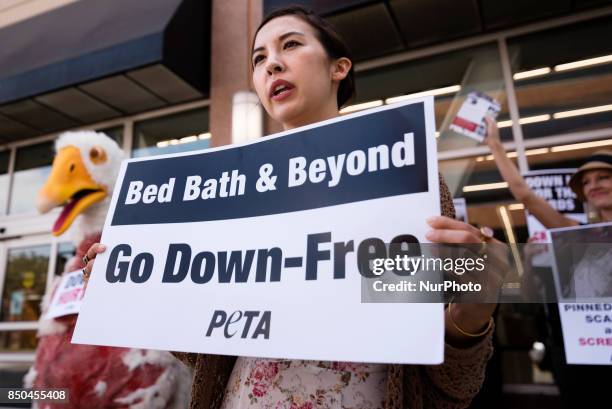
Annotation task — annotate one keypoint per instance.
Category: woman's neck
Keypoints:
(321, 114)
(606, 215)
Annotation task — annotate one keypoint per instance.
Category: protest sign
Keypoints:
(68, 296)
(583, 281)
(470, 120)
(253, 250)
(553, 186)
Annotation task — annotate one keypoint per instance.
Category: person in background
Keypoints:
(592, 183)
(579, 385)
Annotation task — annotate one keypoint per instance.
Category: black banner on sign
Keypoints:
(367, 157)
(553, 186)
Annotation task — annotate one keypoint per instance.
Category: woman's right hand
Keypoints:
(89, 258)
(493, 139)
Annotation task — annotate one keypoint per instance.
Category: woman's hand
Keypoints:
(472, 318)
(492, 139)
(89, 259)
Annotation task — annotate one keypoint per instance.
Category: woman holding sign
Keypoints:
(303, 73)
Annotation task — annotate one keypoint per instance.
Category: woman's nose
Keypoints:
(590, 185)
(274, 65)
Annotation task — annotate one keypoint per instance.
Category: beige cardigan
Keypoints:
(451, 385)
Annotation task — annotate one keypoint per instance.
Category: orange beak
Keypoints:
(69, 185)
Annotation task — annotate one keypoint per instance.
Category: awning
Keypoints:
(94, 60)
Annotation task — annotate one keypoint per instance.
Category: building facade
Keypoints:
(159, 76)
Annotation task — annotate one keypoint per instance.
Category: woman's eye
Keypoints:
(257, 59)
(291, 44)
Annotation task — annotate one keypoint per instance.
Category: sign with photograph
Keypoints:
(68, 296)
(583, 280)
(470, 120)
(254, 250)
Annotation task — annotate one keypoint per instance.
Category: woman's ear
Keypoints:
(341, 68)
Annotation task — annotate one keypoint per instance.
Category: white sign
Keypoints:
(583, 276)
(587, 333)
(253, 250)
(68, 296)
(470, 120)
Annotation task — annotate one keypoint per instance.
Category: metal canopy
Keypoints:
(374, 28)
(95, 60)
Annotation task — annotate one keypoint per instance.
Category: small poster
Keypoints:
(470, 120)
(67, 298)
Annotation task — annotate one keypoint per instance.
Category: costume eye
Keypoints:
(97, 155)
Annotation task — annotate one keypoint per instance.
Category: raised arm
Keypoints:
(537, 206)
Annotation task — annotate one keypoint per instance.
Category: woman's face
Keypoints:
(597, 188)
(294, 78)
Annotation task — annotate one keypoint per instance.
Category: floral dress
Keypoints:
(283, 384)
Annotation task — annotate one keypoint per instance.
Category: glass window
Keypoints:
(115, 133)
(478, 182)
(450, 77)
(11, 376)
(32, 167)
(17, 341)
(4, 178)
(24, 283)
(181, 132)
(563, 78)
(65, 251)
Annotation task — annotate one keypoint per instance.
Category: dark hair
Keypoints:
(331, 41)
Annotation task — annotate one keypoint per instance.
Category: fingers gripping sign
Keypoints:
(88, 260)
(447, 230)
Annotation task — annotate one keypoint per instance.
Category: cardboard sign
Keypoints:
(68, 296)
(253, 250)
(583, 276)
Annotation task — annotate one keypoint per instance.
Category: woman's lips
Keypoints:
(286, 93)
(287, 90)
(596, 194)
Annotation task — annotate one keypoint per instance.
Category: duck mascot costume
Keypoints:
(81, 182)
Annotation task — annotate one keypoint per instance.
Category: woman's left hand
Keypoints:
(470, 317)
